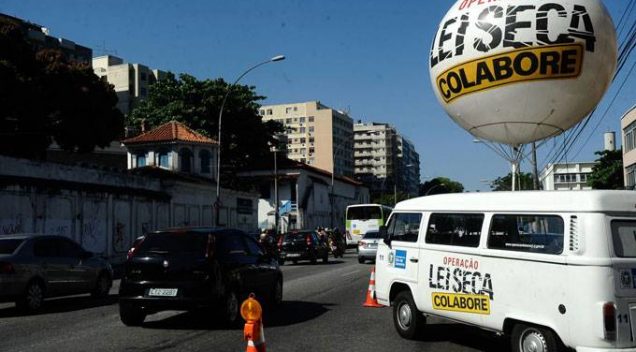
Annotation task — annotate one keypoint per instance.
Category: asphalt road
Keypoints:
(322, 311)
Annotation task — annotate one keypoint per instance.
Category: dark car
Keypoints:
(194, 268)
(33, 267)
(303, 245)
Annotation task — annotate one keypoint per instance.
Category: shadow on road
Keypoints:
(289, 313)
(464, 335)
(62, 305)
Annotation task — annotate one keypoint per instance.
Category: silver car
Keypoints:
(368, 246)
(33, 267)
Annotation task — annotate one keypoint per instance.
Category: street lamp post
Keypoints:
(276, 205)
(217, 204)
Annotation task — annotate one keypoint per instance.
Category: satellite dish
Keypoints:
(518, 71)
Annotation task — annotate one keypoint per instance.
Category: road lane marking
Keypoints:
(350, 273)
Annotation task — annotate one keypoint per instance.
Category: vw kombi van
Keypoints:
(549, 269)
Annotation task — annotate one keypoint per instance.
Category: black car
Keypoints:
(193, 268)
(303, 245)
(33, 267)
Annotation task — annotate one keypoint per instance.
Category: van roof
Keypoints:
(541, 201)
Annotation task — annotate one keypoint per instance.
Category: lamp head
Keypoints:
(277, 58)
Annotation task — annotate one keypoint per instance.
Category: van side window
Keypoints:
(527, 233)
(624, 236)
(455, 229)
(404, 226)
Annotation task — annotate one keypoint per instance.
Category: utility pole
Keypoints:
(535, 173)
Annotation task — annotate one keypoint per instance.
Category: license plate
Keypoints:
(356, 232)
(293, 255)
(373, 245)
(163, 292)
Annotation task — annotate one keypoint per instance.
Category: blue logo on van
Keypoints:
(400, 259)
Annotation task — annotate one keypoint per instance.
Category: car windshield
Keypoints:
(371, 235)
(8, 246)
(174, 242)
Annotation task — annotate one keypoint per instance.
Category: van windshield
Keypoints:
(624, 236)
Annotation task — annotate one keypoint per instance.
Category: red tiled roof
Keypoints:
(172, 131)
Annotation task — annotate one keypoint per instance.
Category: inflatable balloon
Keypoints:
(517, 71)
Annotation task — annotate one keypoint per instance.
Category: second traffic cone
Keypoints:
(371, 300)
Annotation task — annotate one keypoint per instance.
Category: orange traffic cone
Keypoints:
(371, 300)
(257, 343)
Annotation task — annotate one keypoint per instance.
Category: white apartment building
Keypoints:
(628, 132)
(375, 150)
(385, 159)
(566, 176)
(131, 81)
(316, 135)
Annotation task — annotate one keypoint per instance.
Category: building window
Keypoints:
(311, 128)
(288, 110)
(204, 156)
(141, 159)
(262, 112)
(163, 159)
(269, 111)
(630, 136)
(288, 121)
(302, 130)
(630, 177)
(310, 119)
(185, 159)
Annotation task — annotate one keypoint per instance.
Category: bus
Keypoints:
(361, 218)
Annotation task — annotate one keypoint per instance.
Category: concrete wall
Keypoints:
(105, 211)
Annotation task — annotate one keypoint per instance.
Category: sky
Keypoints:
(366, 57)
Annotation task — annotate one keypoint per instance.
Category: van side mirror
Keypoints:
(385, 237)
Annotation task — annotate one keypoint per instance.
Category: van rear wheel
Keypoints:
(408, 321)
(530, 338)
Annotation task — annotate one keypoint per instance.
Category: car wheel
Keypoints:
(102, 286)
(33, 297)
(277, 293)
(295, 261)
(231, 309)
(131, 315)
(361, 260)
(281, 261)
(408, 321)
(525, 338)
(313, 260)
(325, 258)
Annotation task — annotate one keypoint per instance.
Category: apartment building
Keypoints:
(131, 81)
(316, 135)
(408, 166)
(628, 132)
(39, 37)
(384, 159)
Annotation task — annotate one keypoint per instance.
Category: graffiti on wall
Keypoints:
(12, 225)
(93, 236)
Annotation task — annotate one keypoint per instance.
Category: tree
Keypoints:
(524, 182)
(45, 98)
(245, 137)
(440, 185)
(608, 171)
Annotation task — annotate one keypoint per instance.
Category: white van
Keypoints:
(548, 269)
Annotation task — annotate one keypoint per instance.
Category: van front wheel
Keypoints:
(529, 338)
(408, 321)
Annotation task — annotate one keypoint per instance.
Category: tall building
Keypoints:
(316, 135)
(384, 159)
(628, 132)
(408, 166)
(375, 152)
(40, 39)
(131, 81)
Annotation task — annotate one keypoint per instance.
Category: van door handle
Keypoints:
(413, 260)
